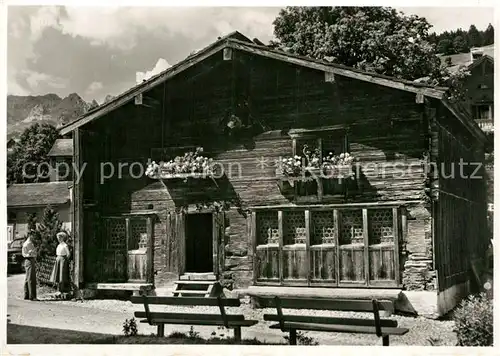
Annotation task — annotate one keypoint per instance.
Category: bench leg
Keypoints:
(161, 330)
(237, 334)
(385, 340)
(293, 337)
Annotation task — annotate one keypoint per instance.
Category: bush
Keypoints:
(474, 321)
(130, 327)
(302, 339)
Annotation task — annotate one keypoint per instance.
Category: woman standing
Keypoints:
(60, 273)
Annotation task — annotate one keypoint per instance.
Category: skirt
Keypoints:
(60, 272)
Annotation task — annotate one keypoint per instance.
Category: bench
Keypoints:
(231, 321)
(291, 323)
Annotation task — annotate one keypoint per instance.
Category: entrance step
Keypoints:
(197, 289)
(198, 277)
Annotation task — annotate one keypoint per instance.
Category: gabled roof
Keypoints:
(62, 147)
(38, 194)
(240, 42)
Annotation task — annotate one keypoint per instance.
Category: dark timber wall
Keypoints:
(384, 127)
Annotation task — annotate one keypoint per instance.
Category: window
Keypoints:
(324, 143)
(483, 111)
(322, 246)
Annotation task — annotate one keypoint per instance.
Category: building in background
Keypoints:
(480, 84)
(24, 199)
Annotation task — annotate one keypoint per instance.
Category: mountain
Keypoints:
(22, 111)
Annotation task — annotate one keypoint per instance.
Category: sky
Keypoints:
(104, 50)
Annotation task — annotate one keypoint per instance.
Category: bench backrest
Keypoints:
(373, 306)
(191, 301)
(186, 301)
(324, 304)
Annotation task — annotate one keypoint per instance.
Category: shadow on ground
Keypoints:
(24, 334)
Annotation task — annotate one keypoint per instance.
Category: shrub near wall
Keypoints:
(474, 321)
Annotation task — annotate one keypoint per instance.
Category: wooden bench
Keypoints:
(291, 323)
(230, 321)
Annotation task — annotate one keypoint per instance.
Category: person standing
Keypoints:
(60, 272)
(29, 253)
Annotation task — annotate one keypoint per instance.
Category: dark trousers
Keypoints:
(30, 280)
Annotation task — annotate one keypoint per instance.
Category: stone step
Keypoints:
(194, 282)
(198, 277)
(187, 291)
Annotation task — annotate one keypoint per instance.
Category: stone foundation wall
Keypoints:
(238, 262)
(417, 261)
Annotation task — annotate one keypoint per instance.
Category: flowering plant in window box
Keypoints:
(190, 165)
(337, 166)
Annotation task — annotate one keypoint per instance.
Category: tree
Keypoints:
(49, 226)
(374, 39)
(377, 39)
(460, 45)
(474, 37)
(445, 46)
(28, 162)
(489, 35)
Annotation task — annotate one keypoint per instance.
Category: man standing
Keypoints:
(29, 254)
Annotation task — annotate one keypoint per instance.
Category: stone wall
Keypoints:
(417, 262)
(238, 262)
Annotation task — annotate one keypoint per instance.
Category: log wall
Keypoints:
(386, 132)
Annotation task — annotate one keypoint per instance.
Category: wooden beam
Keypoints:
(227, 54)
(336, 227)
(329, 77)
(215, 242)
(280, 245)
(150, 231)
(366, 242)
(395, 232)
(77, 223)
(180, 227)
(419, 98)
(339, 206)
(314, 131)
(308, 244)
(141, 88)
(253, 236)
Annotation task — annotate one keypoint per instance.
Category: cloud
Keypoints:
(109, 45)
(119, 26)
(44, 17)
(160, 66)
(13, 87)
(34, 79)
(94, 87)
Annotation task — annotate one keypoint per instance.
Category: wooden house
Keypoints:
(394, 220)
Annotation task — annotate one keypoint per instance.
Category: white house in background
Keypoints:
(23, 199)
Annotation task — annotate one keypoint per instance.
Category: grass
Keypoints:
(145, 339)
(23, 334)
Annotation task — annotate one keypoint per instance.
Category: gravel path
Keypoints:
(107, 316)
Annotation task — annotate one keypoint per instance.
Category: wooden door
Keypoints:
(199, 247)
